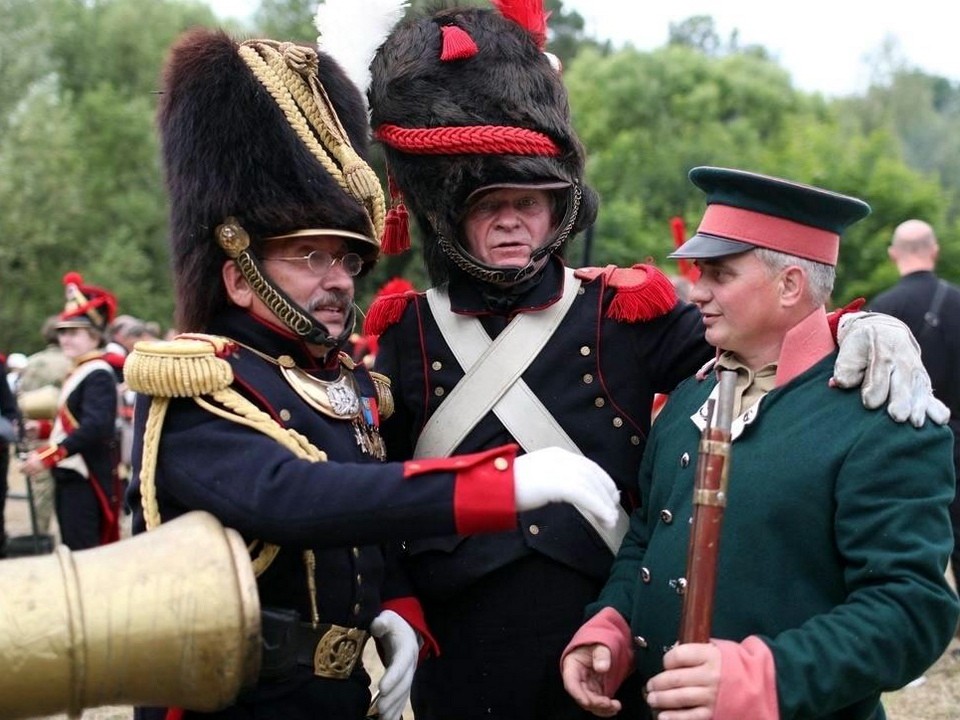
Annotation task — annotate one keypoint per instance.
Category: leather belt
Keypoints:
(331, 650)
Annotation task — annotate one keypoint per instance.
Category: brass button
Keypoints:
(534, 530)
(588, 378)
(581, 290)
(666, 517)
(640, 642)
(359, 579)
(501, 464)
(599, 402)
(356, 552)
(617, 422)
(439, 391)
(285, 415)
(645, 574)
(634, 439)
(584, 351)
(436, 365)
(356, 609)
(684, 460)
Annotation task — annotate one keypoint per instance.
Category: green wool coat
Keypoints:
(834, 544)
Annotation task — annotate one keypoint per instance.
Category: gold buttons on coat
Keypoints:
(599, 402)
(501, 464)
(587, 379)
(356, 552)
(436, 365)
(534, 529)
(439, 391)
(285, 415)
(356, 609)
(584, 351)
(634, 439)
(617, 422)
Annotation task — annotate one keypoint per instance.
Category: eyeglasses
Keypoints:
(320, 262)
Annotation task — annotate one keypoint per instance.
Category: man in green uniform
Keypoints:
(830, 580)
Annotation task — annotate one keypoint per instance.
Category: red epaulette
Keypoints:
(386, 310)
(643, 292)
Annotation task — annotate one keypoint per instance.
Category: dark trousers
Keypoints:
(500, 644)
(78, 512)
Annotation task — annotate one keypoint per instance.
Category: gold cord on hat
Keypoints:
(289, 73)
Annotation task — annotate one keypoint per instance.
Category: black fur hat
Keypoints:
(455, 120)
(230, 151)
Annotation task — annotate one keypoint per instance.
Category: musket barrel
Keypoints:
(709, 501)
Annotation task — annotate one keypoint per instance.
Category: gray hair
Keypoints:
(820, 276)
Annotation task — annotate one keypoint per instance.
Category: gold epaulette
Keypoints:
(187, 366)
(384, 394)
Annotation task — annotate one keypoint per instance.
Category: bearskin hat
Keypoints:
(465, 99)
(86, 306)
(239, 142)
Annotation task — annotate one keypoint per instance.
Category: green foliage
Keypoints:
(80, 185)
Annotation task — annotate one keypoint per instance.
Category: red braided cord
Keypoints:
(472, 139)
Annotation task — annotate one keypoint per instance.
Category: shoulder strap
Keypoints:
(931, 318)
(493, 382)
(491, 367)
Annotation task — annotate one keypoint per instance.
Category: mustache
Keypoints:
(333, 298)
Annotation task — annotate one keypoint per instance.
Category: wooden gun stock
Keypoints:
(709, 501)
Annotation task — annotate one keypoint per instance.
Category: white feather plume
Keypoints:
(352, 30)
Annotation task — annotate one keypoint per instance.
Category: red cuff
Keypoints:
(834, 318)
(609, 628)
(51, 455)
(44, 428)
(748, 680)
(483, 497)
(409, 609)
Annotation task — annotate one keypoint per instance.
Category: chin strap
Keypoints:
(236, 243)
(511, 276)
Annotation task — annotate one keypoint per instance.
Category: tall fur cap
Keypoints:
(508, 82)
(228, 150)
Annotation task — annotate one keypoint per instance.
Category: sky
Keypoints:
(823, 44)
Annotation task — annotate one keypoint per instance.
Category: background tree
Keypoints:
(80, 185)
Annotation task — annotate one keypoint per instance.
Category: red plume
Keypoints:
(690, 271)
(528, 14)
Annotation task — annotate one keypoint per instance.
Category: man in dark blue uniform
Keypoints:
(512, 346)
(256, 415)
(930, 306)
(82, 451)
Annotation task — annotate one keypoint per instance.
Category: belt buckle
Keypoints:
(338, 651)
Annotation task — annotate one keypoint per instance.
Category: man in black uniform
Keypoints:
(930, 306)
(262, 420)
(512, 346)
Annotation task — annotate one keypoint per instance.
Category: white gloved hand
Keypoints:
(556, 475)
(880, 353)
(401, 647)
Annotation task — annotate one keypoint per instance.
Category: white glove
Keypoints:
(880, 353)
(401, 647)
(556, 475)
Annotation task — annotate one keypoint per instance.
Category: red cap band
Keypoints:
(774, 233)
